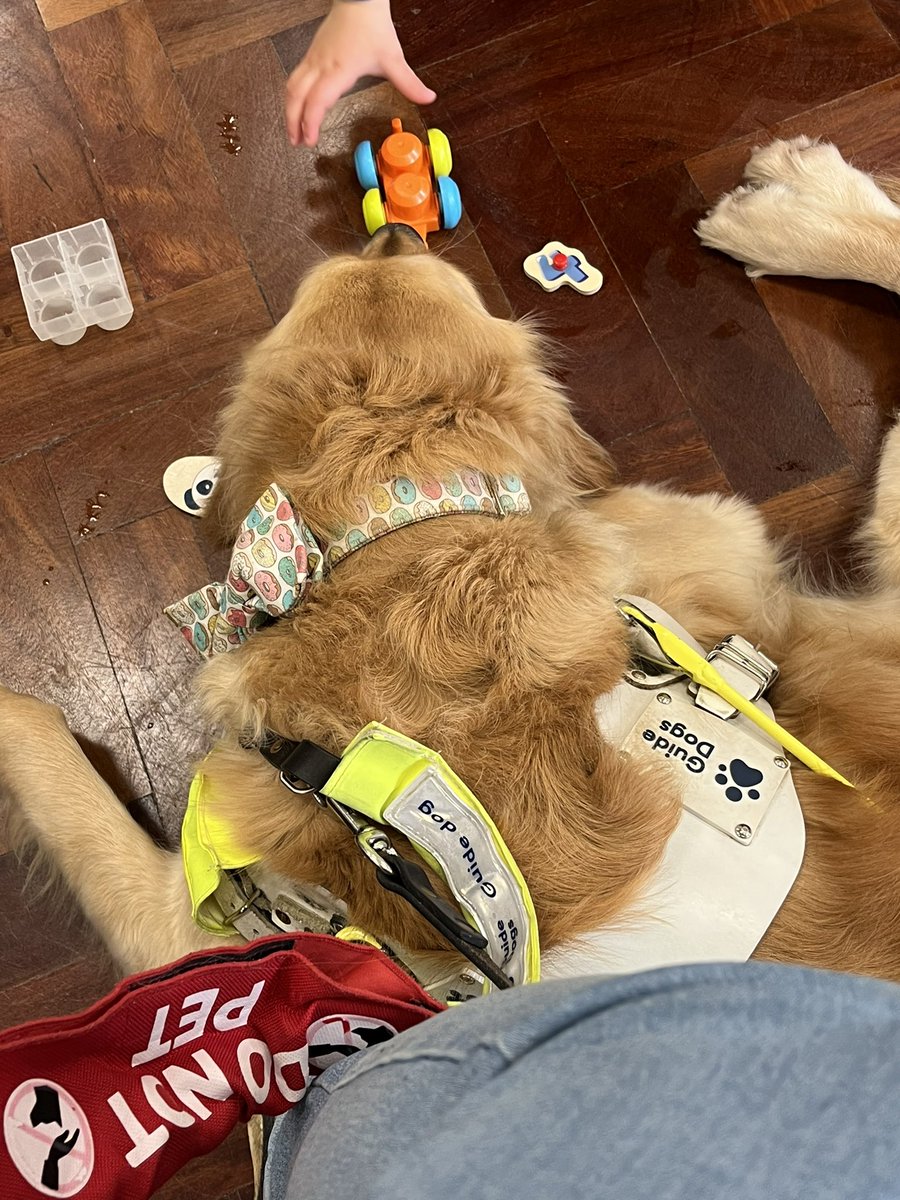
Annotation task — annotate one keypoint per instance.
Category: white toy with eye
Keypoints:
(189, 482)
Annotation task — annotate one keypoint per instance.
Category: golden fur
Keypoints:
(490, 640)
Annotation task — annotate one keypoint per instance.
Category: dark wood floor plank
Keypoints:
(56, 13)
(674, 453)
(154, 665)
(430, 33)
(748, 396)
(817, 522)
(217, 1176)
(14, 328)
(862, 125)
(888, 13)
(50, 642)
(615, 374)
(46, 181)
(155, 176)
(169, 348)
(843, 335)
(273, 191)
(844, 338)
(192, 30)
(125, 458)
(39, 931)
(67, 989)
(772, 12)
(617, 133)
(566, 57)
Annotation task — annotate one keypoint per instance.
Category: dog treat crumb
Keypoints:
(92, 510)
(228, 132)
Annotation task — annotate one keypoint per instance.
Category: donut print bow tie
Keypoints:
(275, 555)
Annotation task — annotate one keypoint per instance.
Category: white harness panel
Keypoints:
(737, 849)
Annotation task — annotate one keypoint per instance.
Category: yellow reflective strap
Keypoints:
(704, 673)
(379, 764)
(208, 848)
(357, 936)
(376, 765)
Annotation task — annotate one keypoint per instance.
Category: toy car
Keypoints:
(408, 183)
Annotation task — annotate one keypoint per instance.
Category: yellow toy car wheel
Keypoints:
(373, 210)
(441, 155)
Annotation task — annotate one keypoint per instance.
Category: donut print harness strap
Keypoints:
(276, 554)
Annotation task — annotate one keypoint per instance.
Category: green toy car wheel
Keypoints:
(441, 155)
(373, 210)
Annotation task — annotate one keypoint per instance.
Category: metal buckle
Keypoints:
(292, 787)
(754, 673)
(237, 879)
(738, 650)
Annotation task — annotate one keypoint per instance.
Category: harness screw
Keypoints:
(663, 698)
(781, 762)
(742, 831)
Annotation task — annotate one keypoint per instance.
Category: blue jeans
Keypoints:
(714, 1082)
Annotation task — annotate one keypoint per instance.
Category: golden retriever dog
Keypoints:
(488, 640)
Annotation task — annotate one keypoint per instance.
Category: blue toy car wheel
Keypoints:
(366, 168)
(450, 202)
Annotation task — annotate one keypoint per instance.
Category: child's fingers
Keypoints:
(298, 88)
(407, 82)
(320, 97)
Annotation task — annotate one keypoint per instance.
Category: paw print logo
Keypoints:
(739, 776)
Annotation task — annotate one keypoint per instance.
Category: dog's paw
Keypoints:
(817, 172)
(773, 231)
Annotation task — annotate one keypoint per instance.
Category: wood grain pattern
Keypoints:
(563, 59)
(126, 457)
(38, 932)
(46, 180)
(169, 348)
(616, 376)
(63, 990)
(154, 665)
(861, 125)
(844, 337)
(56, 13)
(772, 12)
(675, 453)
(272, 191)
(192, 30)
(888, 13)
(50, 642)
(817, 522)
(228, 1167)
(746, 392)
(616, 133)
(466, 25)
(155, 176)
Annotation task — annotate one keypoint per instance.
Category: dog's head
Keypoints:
(387, 361)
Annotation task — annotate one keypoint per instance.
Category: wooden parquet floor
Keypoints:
(609, 125)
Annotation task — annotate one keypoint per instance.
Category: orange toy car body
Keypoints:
(408, 182)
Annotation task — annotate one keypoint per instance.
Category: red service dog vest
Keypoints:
(111, 1102)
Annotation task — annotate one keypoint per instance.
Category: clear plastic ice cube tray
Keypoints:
(72, 279)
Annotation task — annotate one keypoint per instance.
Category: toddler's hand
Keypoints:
(356, 38)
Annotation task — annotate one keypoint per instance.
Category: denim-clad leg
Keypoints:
(713, 1082)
